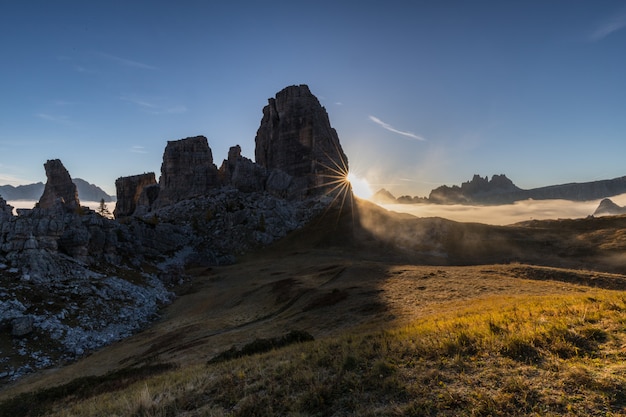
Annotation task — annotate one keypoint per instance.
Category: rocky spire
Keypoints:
(58, 186)
(187, 170)
(295, 137)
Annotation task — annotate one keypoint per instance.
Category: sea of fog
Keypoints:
(507, 213)
(496, 215)
(29, 204)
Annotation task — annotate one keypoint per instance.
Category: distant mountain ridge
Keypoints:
(501, 190)
(86, 191)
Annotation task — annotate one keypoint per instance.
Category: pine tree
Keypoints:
(103, 210)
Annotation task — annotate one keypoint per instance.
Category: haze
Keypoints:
(507, 213)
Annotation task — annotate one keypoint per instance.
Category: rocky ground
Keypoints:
(74, 281)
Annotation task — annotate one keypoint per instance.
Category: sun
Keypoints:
(360, 186)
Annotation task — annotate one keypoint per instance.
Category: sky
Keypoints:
(421, 93)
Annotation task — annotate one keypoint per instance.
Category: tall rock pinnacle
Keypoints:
(295, 137)
(187, 170)
(58, 185)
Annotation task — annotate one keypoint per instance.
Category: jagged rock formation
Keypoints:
(89, 268)
(129, 191)
(58, 186)
(241, 172)
(187, 170)
(478, 190)
(296, 137)
(501, 190)
(298, 154)
(607, 208)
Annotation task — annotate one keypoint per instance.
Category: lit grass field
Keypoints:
(518, 355)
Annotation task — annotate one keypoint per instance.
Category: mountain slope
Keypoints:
(86, 191)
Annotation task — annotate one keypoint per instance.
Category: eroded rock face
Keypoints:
(129, 191)
(241, 172)
(296, 138)
(6, 210)
(58, 186)
(187, 170)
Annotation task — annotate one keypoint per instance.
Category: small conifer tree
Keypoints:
(103, 210)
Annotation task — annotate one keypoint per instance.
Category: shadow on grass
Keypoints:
(39, 403)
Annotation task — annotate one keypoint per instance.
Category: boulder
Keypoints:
(59, 186)
(22, 326)
(295, 136)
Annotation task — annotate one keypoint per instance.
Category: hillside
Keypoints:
(403, 325)
(86, 191)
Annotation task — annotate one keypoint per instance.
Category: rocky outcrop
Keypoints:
(298, 154)
(295, 137)
(129, 191)
(607, 208)
(187, 171)
(479, 191)
(242, 173)
(76, 279)
(58, 186)
(6, 210)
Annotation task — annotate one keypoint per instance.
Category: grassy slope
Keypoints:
(393, 336)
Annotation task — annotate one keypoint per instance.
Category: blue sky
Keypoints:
(421, 93)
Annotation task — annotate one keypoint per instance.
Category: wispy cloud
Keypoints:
(612, 25)
(126, 62)
(138, 149)
(152, 106)
(394, 130)
(55, 118)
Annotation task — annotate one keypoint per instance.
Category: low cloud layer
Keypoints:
(508, 213)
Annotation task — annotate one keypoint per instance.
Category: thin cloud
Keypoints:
(154, 108)
(126, 62)
(605, 29)
(58, 119)
(139, 102)
(394, 130)
(138, 149)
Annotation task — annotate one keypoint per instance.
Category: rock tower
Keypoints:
(295, 137)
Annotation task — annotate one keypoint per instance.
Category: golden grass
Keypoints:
(394, 336)
(517, 355)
